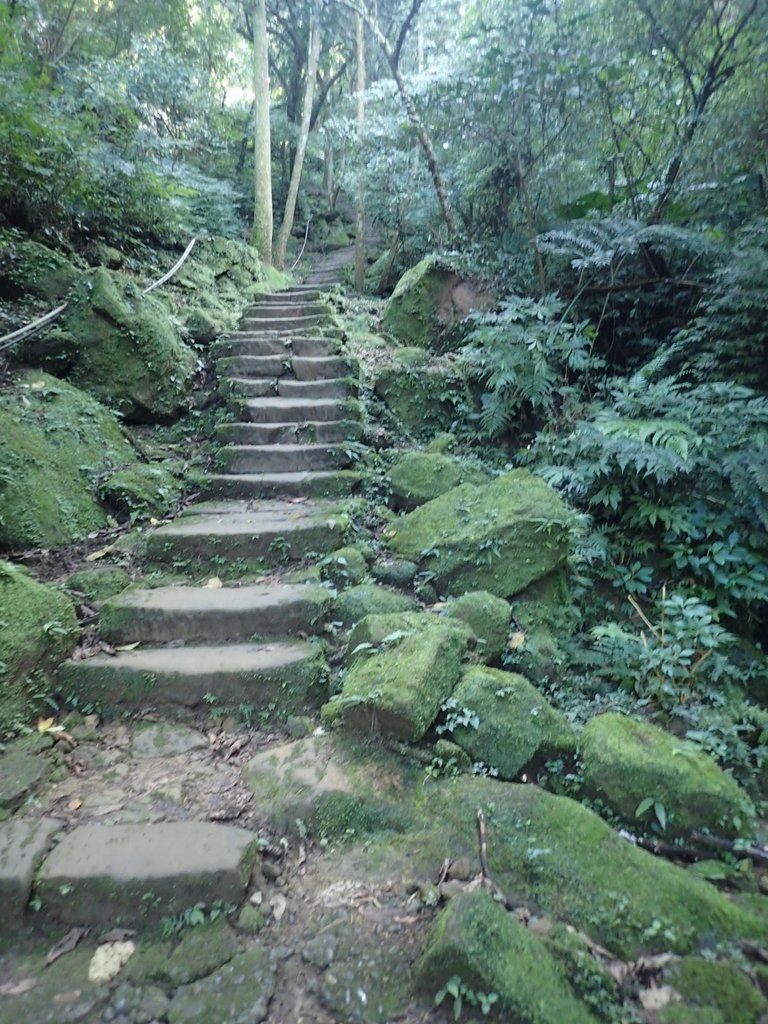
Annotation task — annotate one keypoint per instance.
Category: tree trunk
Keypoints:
(360, 203)
(261, 236)
(313, 60)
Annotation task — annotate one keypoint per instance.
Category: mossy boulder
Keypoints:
(422, 399)
(38, 629)
(626, 762)
(488, 617)
(142, 491)
(427, 298)
(344, 567)
(369, 599)
(205, 325)
(477, 940)
(498, 537)
(399, 689)
(99, 583)
(379, 631)
(718, 986)
(517, 731)
(421, 476)
(396, 572)
(55, 444)
(28, 268)
(129, 353)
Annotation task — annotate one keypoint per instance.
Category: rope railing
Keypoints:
(304, 246)
(9, 340)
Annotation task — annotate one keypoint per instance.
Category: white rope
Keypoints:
(306, 236)
(8, 340)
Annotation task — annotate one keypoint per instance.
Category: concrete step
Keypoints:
(316, 484)
(324, 367)
(104, 874)
(271, 534)
(254, 366)
(289, 433)
(296, 410)
(308, 389)
(233, 614)
(281, 458)
(290, 674)
(299, 306)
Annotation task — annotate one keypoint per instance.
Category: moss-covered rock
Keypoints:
(396, 572)
(142, 491)
(422, 399)
(421, 476)
(477, 940)
(28, 268)
(378, 631)
(498, 537)
(38, 629)
(129, 353)
(399, 689)
(99, 583)
(679, 1013)
(517, 729)
(488, 617)
(205, 325)
(429, 296)
(344, 567)
(719, 986)
(627, 762)
(369, 599)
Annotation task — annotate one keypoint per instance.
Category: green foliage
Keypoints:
(527, 357)
(463, 995)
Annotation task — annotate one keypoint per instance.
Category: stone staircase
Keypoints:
(272, 500)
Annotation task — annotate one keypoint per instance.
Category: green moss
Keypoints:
(129, 353)
(378, 631)
(368, 599)
(142, 491)
(399, 690)
(499, 537)
(201, 950)
(594, 985)
(488, 617)
(420, 476)
(626, 762)
(678, 1013)
(410, 357)
(28, 268)
(38, 629)
(518, 730)
(344, 567)
(422, 399)
(411, 314)
(99, 583)
(55, 444)
(476, 939)
(720, 986)
(347, 816)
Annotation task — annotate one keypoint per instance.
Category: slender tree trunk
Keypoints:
(261, 236)
(360, 203)
(313, 60)
(328, 171)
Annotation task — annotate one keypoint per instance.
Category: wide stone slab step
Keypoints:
(275, 533)
(231, 614)
(282, 458)
(246, 343)
(23, 844)
(319, 367)
(288, 674)
(315, 484)
(298, 306)
(247, 387)
(292, 322)
(137, 874)
(331, 432)
(297, 410)
(296, 293)
(254, 366)
(341, 388)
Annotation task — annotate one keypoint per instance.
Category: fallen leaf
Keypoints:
(658, 998)
(74, 805)
(17, 988)
(129, 647)
(101, 553)
(37, 385)
(108, 960)
(214, 583)
(65, 945)
(516, 640)
(44, 724)
(153, 521)
(278, 903)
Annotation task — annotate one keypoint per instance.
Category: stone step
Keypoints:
(139, 874)
(299, 306)
(324, 367)
(296, 410)
(281, 458)
(296, 293)
(247, 387)
(308, 389)
(246, 343)
(232, 614)
(313, 432)
(275, 533)
(316, 484)
(275, 365)
(279, 324)
(290, 674)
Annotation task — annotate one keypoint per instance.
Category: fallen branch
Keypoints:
(485, 871)
(755, 853)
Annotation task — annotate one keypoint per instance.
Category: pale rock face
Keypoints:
(109, 960)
